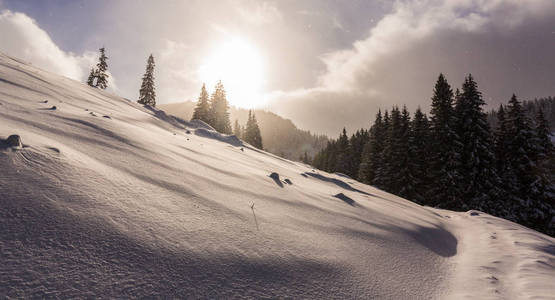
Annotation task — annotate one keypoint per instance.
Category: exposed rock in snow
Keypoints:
(345, 198)
(13, 141)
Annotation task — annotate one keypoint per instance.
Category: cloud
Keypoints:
(258, 13)
(403, 53)
(23, 38)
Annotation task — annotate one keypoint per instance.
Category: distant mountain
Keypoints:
(279, 136)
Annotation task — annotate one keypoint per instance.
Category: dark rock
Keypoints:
(288, 181)
(13, 141)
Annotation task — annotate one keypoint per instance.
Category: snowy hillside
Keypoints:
(110, 199)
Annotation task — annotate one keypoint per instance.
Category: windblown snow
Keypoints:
(108, 199)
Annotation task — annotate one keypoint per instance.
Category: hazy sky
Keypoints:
(324, 64)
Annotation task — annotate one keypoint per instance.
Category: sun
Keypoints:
(238, 64)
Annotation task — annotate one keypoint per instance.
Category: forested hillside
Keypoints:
(280, 136)
(455, 159)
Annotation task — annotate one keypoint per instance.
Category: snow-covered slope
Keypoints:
(110, 199)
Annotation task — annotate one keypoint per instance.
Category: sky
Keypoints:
(324, 64)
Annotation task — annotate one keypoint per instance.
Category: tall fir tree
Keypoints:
(219, 110)
(101, 70)
(404, 181)
(380, 172)
(531, 188)
(147, 93)
(202, 109)
(481, 185)
(252, 131)
(357, 142)
(445, 149)
(500, 139)
(371, 154)
(420, 153)
(546, 170)
(344, 158)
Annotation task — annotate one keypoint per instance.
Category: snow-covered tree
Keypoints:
(237, 129)
(101, 70)
(202, 109)
(252, 131)
(91, 78)
(480, 182)
(219, 110)
(371, 154)
(420, 155)
(445, 149)
(531, 187)
(147, 94)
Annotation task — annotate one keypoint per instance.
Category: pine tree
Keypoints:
(381, 166)
(357, 142)
(252, 131)
(420, 153)
(404, 181)
(91, 78)
(202, 109)
(371, 154)
(546, 172)
(481, 185)
(101, 71)
(543, 133)
(219, 110)
(306, 159)
(344, 158)
(445, 149)
(531, 187)
(147, 94)
(500, 139)
(237, 130)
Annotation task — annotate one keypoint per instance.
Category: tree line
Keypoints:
(453, 159)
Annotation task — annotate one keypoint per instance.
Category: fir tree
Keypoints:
(344, 158)
(306, 159)
(101, 71)
(531, 187)
(237, 130)
(252, 131)
(147, 94)
(500, 138)
(445, 146)
(371, 154)
(357, 142)
(202, 109)
(481, 185)
(546, 172)
(404, 181)
(420, 153)
(219, 110)
(91, 78)
(381, 166)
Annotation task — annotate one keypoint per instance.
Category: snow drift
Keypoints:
(106, 198)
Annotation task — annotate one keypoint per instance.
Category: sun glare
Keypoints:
(239, 66)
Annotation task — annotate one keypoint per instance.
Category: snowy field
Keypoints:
(108, 199)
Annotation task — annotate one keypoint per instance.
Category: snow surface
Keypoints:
(107, 198)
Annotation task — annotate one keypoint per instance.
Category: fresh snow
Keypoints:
(106, 198)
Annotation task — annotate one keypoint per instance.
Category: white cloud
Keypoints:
(258, 13)
(405, 50)
(23, 38)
